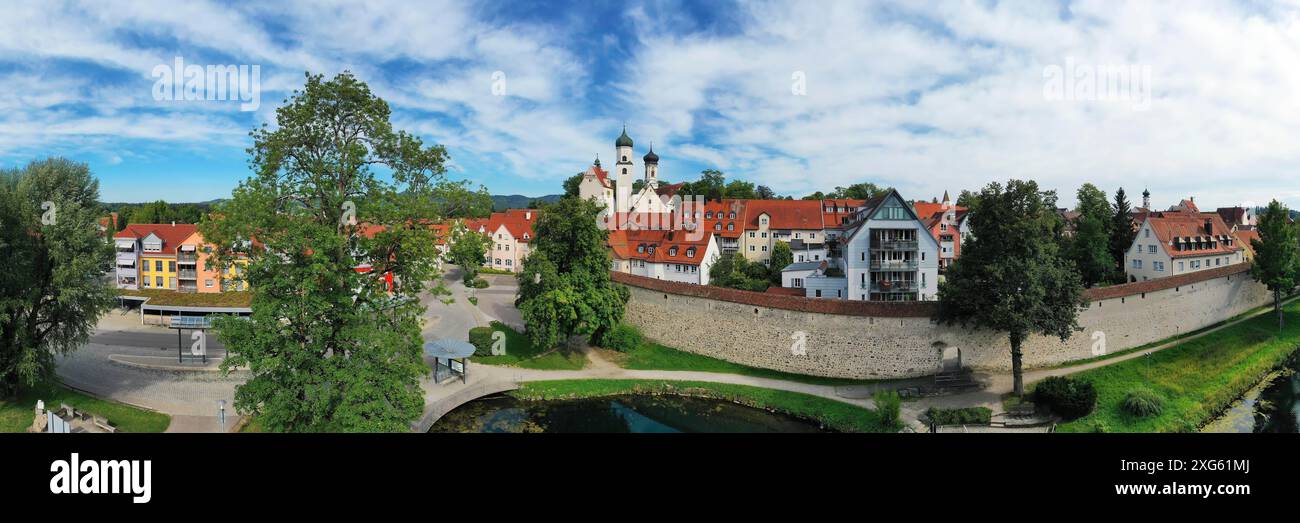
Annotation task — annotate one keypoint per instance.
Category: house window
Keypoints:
(690, 253)
(731, 215)
(751, 248)
(1146, 233)
(764, 235)
(1151, 249)
(157, 267)
(158, 281)
(1158, 266)
(1137, 264)
(764, 248)
(819, 293)
(717, 226)
(1181, 267)
(796, 282)
(751, 234)
(800, 257)
(731, 226)
(796, 235)
(672, 252)
(708, 215)
(812, 236)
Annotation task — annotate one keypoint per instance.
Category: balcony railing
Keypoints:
(188, 275)
(893, 264)
(893, 286)
(895, 245)
(186, 258)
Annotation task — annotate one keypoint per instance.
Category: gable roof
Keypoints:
(1180, 227)
(785, 214)
(518, 222)
(171, 234)
(657, 246)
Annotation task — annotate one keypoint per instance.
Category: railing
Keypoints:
(895, 245)
(893, 286)
(893, 264)
(187, 258)
(189, 275)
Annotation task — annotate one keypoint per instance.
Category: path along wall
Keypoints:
(854, 339)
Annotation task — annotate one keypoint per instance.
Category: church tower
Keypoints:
(1146, 199)
(651, 168)
(623, 172)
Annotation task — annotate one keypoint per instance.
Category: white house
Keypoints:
(674, 255)
(889, 253)
(1179, 241)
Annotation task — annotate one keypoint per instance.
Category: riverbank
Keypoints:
(1197, 380)
(833, 414)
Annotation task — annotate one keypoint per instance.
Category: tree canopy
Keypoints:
(564, 287)
(1089, 246)
(52, 291)
(1276, 263)
(1011, 276)
(330, 348)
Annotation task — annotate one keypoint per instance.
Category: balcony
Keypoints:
(187, 288)
(126, 271)
(893, 286)
(187, 275)
(892, 265)
(183, 257)
(895, 245)
(125, 258)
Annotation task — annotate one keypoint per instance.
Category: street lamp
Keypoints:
(221, 414)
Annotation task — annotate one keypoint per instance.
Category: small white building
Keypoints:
(673, 255)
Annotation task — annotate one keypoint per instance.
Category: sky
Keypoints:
(1185, 98)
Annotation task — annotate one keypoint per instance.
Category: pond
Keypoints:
(616, 414)
(1271, 406)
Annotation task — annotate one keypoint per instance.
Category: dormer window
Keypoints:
(717, 226)
(672, 251)
(526, 236)
(731, 226)
(731, 215)
(690, 253)
(708, 215)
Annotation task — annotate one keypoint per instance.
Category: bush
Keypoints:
(622, 338)
(964, 416)
(1142, 402)
(481, 339)
(1067, 397)
(479, 283)
(888, 405)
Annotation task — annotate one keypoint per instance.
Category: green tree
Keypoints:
(328, 348)
(1276, 263)
(1089, 247)
(859, 191)
(764, 192)
(468, 250)
(52, 291)
(781, 258)
(740, 189)
(460, 200)
(564, 287)
(571, 185)
(1011, 276)
(965, 199)
(1122, 232)
(733, 271)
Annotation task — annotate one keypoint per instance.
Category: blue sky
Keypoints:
(926, 96)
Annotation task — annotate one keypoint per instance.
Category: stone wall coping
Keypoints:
(915, 309)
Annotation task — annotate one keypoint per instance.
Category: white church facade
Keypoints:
(613, 188)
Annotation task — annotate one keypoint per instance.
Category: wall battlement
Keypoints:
(853, 339)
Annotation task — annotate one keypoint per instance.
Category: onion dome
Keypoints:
(623, 140)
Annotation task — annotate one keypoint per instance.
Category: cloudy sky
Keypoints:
(1185, 98)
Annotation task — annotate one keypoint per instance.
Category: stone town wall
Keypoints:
(854, 339)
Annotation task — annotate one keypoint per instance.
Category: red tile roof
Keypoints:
(785, 214)
(660, 246)
(1174, 228)
(171, 234)
(518, 222)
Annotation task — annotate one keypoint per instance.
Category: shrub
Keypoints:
(1142, 402)
(1067, 397)
(479, 283)
(963, 416)
(622, 338)
(481, 339)
(473, 300)
(888, 405)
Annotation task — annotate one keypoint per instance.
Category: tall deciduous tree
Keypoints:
(330, 348)
(1089, 246)
(1122, 231)
(52, 289)
(1276, 263)
(1011, 277)
(468, 250)
(565, 288)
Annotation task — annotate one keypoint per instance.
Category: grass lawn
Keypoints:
(192, 299)
(16, 414)
(833, 414)
(1197, 379)
(653, 356)
(520, 352)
